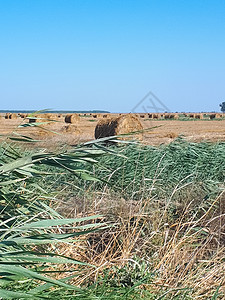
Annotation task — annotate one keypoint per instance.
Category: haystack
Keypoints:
(13, 116)
(174, 116)
(191, 116)
(156, 116)
(167, 116)
(23, 116)
(116, 126)
(214, 116)
(199, 116)
(73, 118)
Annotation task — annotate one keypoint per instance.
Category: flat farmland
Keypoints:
(157, 131)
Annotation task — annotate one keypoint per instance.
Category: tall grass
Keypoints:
(167, 206)
(30, 228)
(166, 209)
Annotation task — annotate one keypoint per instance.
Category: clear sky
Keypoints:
(107, 54)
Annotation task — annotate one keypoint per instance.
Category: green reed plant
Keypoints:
(29, 227)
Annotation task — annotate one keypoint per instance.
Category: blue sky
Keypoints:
(107, 54)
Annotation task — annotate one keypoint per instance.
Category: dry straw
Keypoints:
(118, 125)
(70, 128)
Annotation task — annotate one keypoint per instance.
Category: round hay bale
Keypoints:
(116, 126)
(7, 115)
(212, 116)
(72, 118)
(173, 116)
(23, 116)
(94, 116)
(13, 116)
(191, 116)
(199, 116)
(167, 116)
(155, 116)
(150, 116)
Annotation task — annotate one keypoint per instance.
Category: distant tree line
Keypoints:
(222, 107)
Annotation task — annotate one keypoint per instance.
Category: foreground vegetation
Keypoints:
(115, 222)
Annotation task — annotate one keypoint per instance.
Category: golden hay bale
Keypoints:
(155, 116)
(72, 118)
(23, 116)
(70, 128)
(173, 116)
(199, 116)
(116, 126)
(94, 116)
(214, 116)
(13, 116)
(167, 116)
(7, 115)
(191, 116)
(105, 116)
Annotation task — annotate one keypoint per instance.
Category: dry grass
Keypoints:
(188, 254)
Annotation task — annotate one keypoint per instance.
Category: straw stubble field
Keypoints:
(82, 129)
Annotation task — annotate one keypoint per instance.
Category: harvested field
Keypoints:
(194, 129)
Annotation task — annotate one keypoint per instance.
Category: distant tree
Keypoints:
(222, 107)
